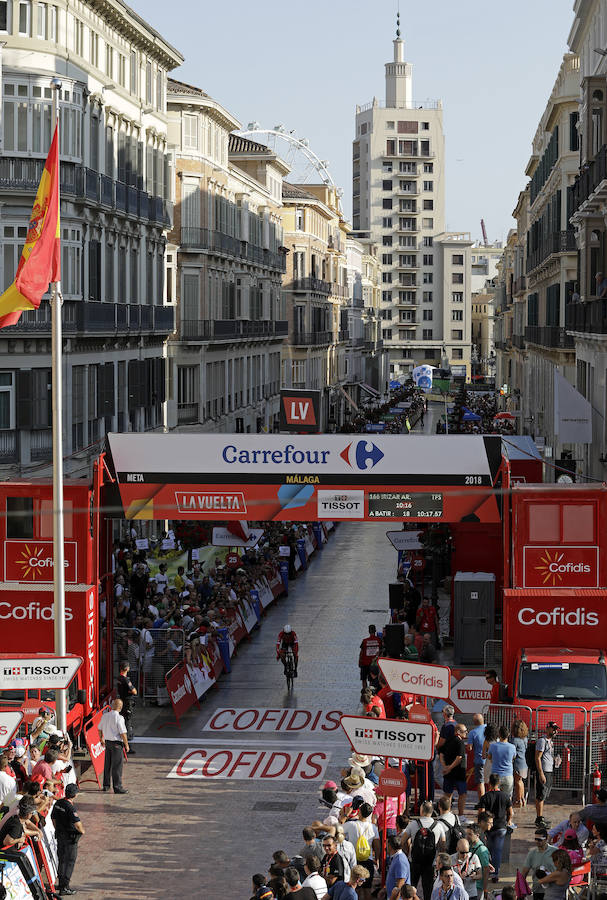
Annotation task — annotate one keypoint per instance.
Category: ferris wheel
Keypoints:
(306, 167)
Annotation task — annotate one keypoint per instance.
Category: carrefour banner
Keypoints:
(422, 376)
(307, 478)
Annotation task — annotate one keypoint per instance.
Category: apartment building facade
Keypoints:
(226, 266)
(547, 283)
(116, 191)
(316, 355)
(399, 204)
(586, 317)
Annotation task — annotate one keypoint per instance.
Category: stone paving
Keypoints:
(175, 837)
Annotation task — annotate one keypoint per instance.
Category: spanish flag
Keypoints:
(40, 261)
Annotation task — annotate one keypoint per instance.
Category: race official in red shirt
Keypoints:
(369, 650)
(426, 619)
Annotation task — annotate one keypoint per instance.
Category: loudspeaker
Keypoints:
(394, 640)
(397, 595)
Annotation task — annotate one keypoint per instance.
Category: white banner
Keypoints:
(284, 550)
(222, 537)
(142, 544)
(416, 678)
(389, 737)
(572, 413)
(49, 672)
(9, 724)
(404, 540)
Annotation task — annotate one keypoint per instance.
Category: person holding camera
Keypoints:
(556, 883)
(539, 862)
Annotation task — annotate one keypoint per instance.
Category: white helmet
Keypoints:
(287, 629)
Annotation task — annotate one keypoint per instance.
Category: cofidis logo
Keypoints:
(560, 567)
(32, 561)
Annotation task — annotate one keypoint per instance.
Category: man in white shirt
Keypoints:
(313, 879)
(421, 862)
(112, 729)
(161, 579)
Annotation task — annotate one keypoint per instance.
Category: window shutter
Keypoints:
(24, 399)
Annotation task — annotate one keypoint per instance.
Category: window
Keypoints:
(133, 71)
(457, 259)
(6, 401)
(148, 82)
(387, 240)
(428, 354)
(109, 61)
(386, 314)
(159, 89)
(386, 222)
(25, 17)
(19, 517)
(386, 184)
(425, 126)
(428, 168)
(428, 259)
(187, 385)
(428, 242)
(457, 315)
(390, 126)
(94, 49)
(574, 138)
(427, 315)
(386, 296)
(71, 247)
(457, 353)
(386, 277)
(387, 203)
(428, 204)
(121, 70)
(427, 334)
(428, 278)
(407, 168)
(428, 185)
(387, 334)
(299, 220)
(41, 24)
(425, 148)
(386, 259)
(406, 240)
(458, 277)
(363, 128)
(427, 223)
(387, 167)
(457, 334)
(408, 127)
(190, 132)
(5, 15)
(428, 297)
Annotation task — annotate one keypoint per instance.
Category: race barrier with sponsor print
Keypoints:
(95, 747)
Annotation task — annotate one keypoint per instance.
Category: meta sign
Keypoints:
(31, 672)
(416, 678)
(389, 737)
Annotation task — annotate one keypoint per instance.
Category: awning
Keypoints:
(348, 398)
(369, 389)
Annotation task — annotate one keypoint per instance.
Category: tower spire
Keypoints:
(398, 73)
(398, 25)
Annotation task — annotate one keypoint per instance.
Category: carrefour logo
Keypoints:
(363, 455)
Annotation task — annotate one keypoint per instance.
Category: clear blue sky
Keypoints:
(307, 65)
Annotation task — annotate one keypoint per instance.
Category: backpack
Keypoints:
(362, 848)
(423, 850)
(530, 755)
(454, 833)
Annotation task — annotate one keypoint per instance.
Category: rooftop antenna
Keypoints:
(398, 23)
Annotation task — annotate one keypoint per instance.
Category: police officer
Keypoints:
(126, 691)
(69, 829)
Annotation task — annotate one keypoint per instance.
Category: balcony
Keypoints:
(232, 329)
(518, 341)
(311, 338)
(86, 185)
(311, 284)
(520, 284)
(558, 242)
(9, 447)
(552, 336)
(339, 290)
(588, 181)
(187, 414)
(90, 317)
(589, 317)
(343, 336)
(228, 245)
(357, 342)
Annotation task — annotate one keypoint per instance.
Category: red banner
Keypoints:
(182, 692)
(93, 742)
(236, 628)
(215, 658)
(561, 567)
(31, 562)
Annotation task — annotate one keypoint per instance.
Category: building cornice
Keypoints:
(131, 26)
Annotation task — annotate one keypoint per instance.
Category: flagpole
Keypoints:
(58, 546)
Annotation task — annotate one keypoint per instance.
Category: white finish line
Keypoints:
(240, 741)
(243, 764)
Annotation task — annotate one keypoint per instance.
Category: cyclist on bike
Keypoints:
(287, 639)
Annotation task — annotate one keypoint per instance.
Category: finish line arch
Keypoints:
(421, 478)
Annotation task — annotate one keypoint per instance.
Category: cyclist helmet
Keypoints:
(287, 629)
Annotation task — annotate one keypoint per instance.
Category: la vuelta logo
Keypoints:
(561, 567)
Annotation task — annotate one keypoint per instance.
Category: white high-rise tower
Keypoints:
(399, 202)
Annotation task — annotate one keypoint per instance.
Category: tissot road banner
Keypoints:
(307, 477)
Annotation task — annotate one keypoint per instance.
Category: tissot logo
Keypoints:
(342, 505)
(364, 733)
(362, 455)
(560, 567)
(195, 501)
